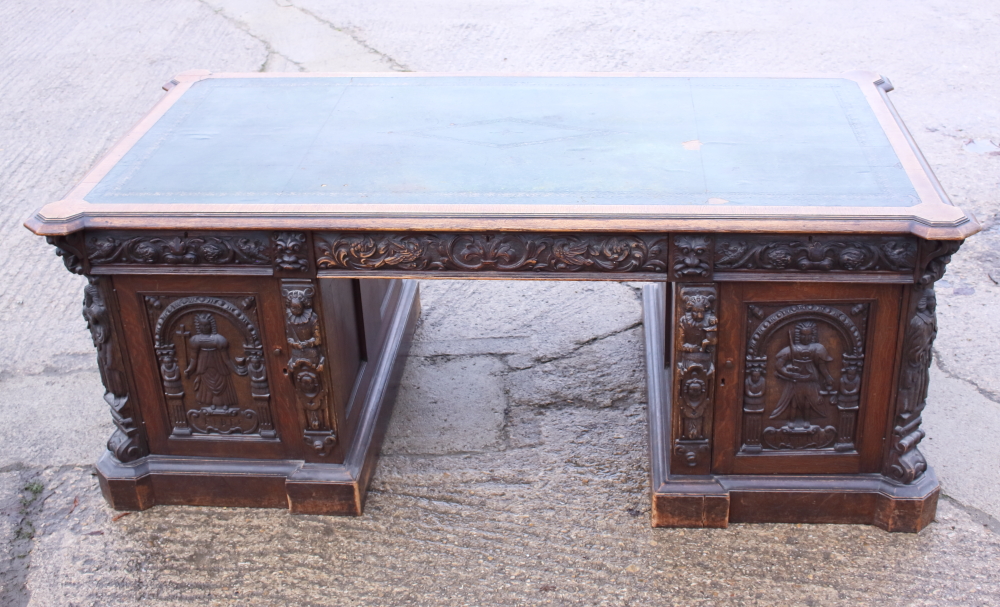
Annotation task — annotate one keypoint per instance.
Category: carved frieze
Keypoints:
(696, 338)
(306, 363)
(211, 365)
(691, 257)
(178, 249)
(905, 463)
(497, 252)
(125, 443)
(802, 376)
(815, 253)
(290, 252)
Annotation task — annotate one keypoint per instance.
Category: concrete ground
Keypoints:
(515, 470)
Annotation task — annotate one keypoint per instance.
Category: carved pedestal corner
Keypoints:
(126, 443)
(904, 463)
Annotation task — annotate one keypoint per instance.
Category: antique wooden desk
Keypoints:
(792, 229)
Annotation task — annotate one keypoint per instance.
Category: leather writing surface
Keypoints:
(510, 140)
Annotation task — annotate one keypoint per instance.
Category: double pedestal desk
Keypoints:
(251, 246)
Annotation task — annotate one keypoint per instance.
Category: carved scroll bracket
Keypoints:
(306, 363)
(696, 338)
(126, 443)
(905, 463)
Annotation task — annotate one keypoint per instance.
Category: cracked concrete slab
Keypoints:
(967, 467)
(297, 40)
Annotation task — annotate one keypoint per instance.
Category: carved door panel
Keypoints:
(806, 377)
(211, 362)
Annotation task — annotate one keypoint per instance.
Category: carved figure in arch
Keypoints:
(917, 357)
(802, 365)
(210, 365)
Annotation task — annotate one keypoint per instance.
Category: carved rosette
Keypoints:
(205, 380)
(503, 252)
(905, 463)
(696, 338)
(802, 376)
(125, 443)
(290, 252)
(691, 257)
(306, 363)
(178, 249)
(815, 254)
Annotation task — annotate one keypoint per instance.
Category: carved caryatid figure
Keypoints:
(699, 326)
(917, 357)
(802, 365)
(755, 385)
(850, 388)
(210, 366)
(99, 322)
(302, 329)
(694, 391)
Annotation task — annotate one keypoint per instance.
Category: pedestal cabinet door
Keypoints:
(209, 355)
(806, 377)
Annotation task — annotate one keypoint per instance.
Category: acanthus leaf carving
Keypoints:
(503, 252)
(178, 249)
(306, 364)
(125, 443)
(816, 254)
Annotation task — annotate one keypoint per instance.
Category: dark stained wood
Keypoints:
(870, 310)
(221, 479)
(250, 353)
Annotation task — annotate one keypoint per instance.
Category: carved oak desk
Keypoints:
(791, 228)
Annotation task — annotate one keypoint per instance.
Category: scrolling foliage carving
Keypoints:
(696, 338)
(306, 363)
(211, 365)
(905, 462)
(816, 254)
(499, 252)
(802, 379)
(125, 443)
(178, 250)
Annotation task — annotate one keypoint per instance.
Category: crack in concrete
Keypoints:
(985, 393)
(579, 346)
(979, 516)
(399, 67)
(245, 28)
